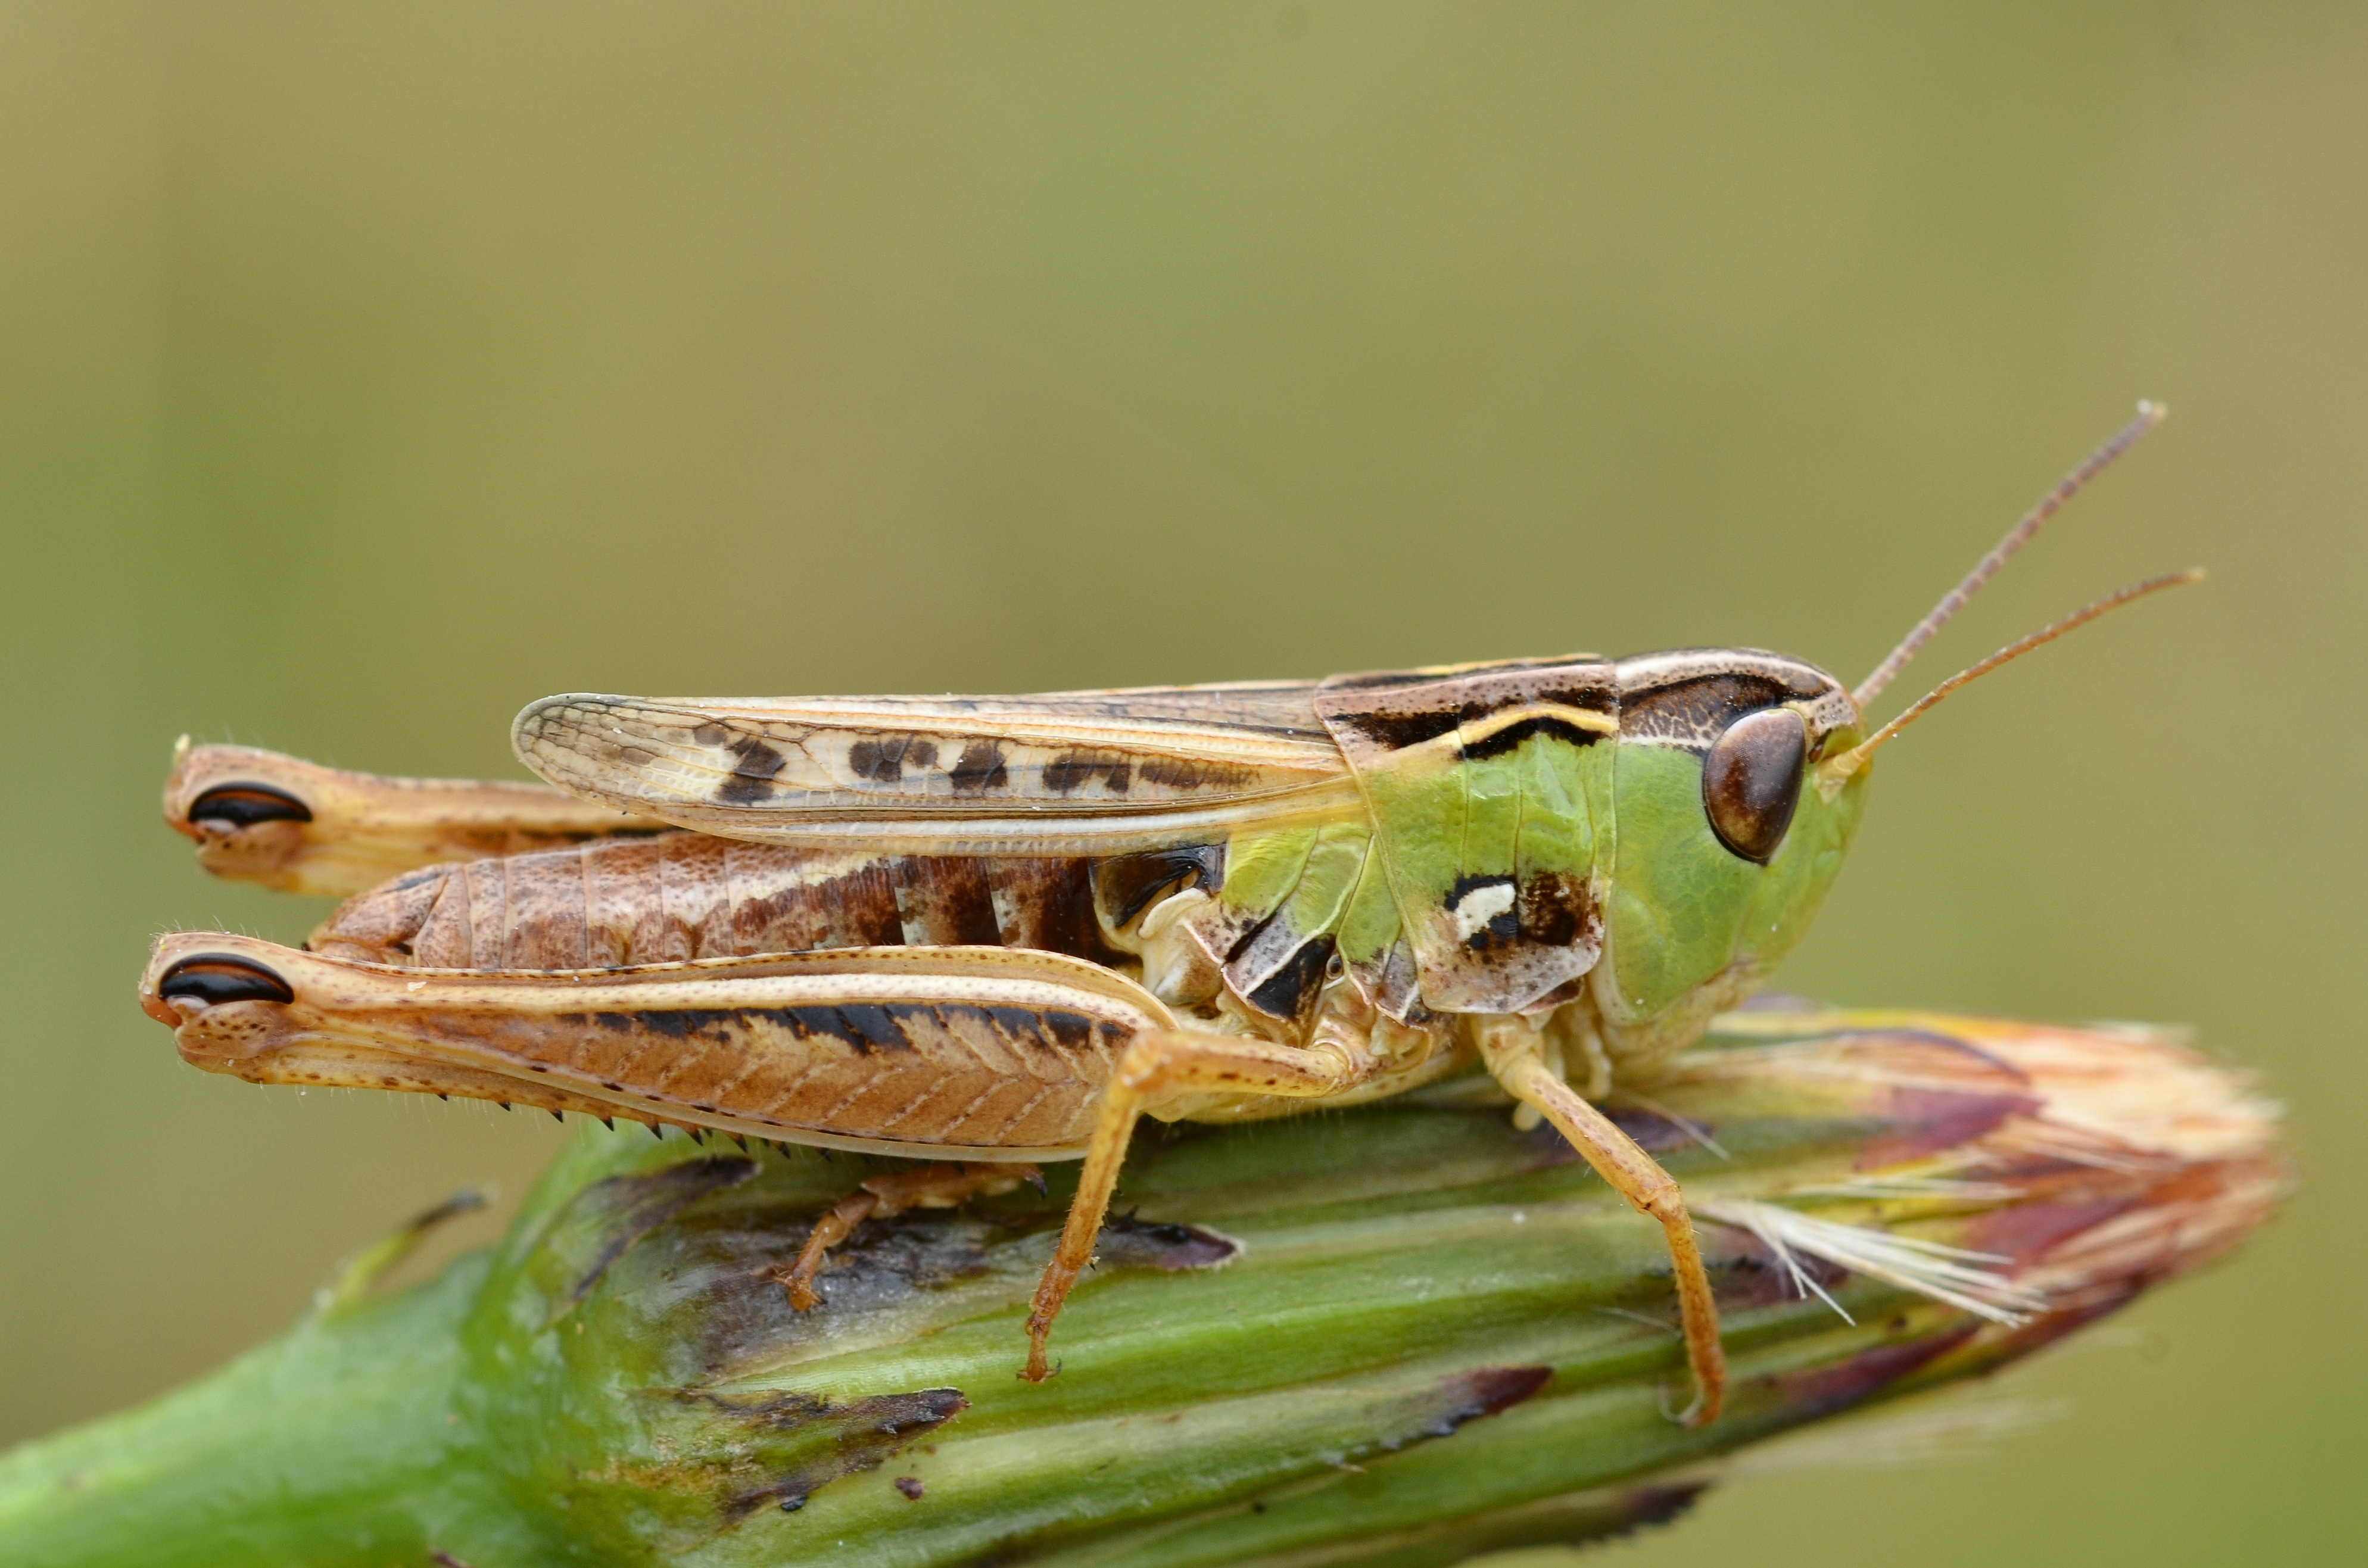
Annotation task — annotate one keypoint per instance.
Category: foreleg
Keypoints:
(1511, 1047)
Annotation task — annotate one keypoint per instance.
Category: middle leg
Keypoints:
(1159, 1066)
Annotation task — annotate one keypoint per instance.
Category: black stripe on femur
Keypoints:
(1069, 1031)
(1126, 885)
(1291, 990)
(751, 779)
(866, 1028)
(1510, 737)
(1693, 710)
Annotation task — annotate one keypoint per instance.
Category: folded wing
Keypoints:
(1065, 771)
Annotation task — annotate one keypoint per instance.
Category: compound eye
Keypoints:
(244, 805)
(1751, 781)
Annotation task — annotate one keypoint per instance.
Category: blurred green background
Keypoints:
(366, 372)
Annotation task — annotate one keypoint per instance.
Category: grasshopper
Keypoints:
(993, 931)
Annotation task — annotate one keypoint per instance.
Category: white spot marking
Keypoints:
(1480, 906)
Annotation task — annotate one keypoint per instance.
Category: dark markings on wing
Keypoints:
(882, 761)
(1079, 772)
(979, 768)
(1074, 771)
(752, 779)
(1184, 773)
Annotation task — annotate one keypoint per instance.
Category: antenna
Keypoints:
(1841, 767)
(2150, 415)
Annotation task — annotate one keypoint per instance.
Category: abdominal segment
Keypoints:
(688, 895)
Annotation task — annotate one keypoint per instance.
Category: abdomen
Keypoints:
(688, 895)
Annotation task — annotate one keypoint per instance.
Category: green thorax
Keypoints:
(1524, 820)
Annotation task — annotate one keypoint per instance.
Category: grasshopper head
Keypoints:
(1738, 786)
(1730, 831)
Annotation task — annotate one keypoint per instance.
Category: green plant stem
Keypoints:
(319, 1445)
(1390, 1338)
